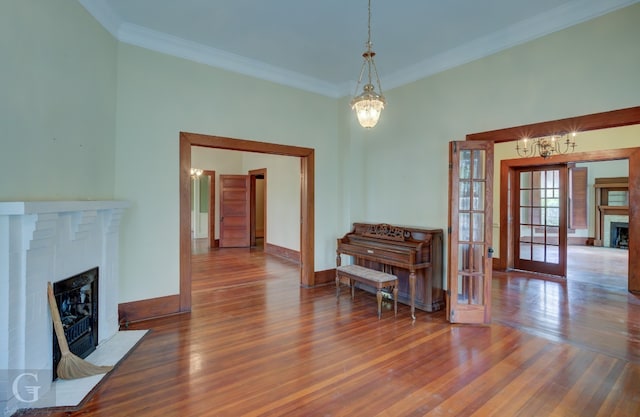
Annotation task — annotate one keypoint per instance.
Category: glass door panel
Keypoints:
(541, 219)
(470, 211)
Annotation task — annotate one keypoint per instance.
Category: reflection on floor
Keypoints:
(598, 265)
(591, 308)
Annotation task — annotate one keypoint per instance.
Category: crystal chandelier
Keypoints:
(369, 104)
(546, 146)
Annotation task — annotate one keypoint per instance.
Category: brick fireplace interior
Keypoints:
(77, 300)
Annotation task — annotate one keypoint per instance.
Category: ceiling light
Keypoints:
(195, 172)
(546, 146)
(369, 104)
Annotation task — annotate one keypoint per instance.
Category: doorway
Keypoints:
(307, 212)
(596, 121)
(258, 208)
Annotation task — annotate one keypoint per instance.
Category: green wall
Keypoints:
(159, 96)
(57, 102)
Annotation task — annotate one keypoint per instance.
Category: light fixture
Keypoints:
(547, 146)
(369, 104)
(195, 172)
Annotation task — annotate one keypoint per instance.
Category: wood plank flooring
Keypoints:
(256, 344)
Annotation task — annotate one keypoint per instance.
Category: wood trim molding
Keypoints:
(596, 121)
(148, 309)
(326, 277)
(307, 215)
(604, 120)
(212, 207)
(290, 254)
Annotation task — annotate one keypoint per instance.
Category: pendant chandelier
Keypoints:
(369, 104)
(546, 146)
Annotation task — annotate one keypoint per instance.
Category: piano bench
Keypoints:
(376, 279)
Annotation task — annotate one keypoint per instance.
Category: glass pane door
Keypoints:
(469, 278)
(540, 219)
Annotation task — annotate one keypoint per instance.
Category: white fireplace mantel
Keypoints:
(17, 208)
(48, 241)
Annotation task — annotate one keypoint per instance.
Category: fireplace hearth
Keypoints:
(77, 299)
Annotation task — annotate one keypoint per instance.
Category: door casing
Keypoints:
(307, 201)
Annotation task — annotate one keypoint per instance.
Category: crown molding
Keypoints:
(562, 17)
(101, 11)
(193, 51)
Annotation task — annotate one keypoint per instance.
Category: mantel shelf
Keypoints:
(612, 185)
(613, 208)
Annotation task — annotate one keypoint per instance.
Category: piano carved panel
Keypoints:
(400, 250)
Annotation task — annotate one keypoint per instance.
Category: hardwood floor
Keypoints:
(257, 344)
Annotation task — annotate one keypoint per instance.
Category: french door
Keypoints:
(540, 219)
(470, 231)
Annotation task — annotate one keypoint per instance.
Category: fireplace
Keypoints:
(49, 241)
(619, 235)
(77, 300)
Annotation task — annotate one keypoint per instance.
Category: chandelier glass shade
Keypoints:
(546, 146)
(369, 104)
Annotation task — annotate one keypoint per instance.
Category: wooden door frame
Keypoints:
(212, 207)
(596, 121)
(307, 201)
(253, 174)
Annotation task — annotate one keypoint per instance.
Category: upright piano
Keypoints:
(413, 254)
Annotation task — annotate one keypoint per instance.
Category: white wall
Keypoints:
(283, 188)
(283, 197)
(605, 169)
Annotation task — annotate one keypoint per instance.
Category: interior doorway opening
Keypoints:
(258, 208)
(307, 213)
(597, 121)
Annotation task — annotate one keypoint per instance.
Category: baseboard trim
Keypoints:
(286, 253)
(578, 241)
(328, 276)
(151, 308)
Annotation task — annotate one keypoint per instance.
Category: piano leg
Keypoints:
(395, 299)
(412, 292)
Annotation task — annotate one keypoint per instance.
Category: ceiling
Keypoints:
(316, 45)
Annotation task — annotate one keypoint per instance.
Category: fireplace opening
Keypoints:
(619, 235)
(77, 299)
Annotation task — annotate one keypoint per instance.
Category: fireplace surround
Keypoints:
(48, 241)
